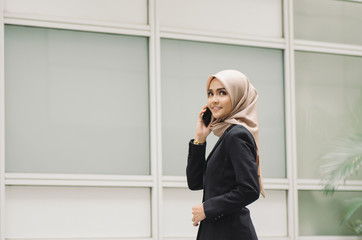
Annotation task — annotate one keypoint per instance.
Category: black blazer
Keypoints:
(229, 179)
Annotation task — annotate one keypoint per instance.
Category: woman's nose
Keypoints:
(215, 99)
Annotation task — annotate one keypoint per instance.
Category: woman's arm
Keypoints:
(196, 156)
(195, 165)
(243, 159)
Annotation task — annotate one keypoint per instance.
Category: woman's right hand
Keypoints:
(201, 130)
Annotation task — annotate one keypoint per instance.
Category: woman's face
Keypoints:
(218, 99)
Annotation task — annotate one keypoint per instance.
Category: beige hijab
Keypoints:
(244, 110)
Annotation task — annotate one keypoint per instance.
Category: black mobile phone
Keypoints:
(206, 117)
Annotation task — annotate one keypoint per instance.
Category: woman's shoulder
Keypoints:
(239, 132)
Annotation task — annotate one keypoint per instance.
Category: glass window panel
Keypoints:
(250, 17)
(328, 20)
(77, 212)
(76, 102)
(186, 65)
(329, 106)
(320, 215)
(120, 11)
(269, 214)
(177, 212)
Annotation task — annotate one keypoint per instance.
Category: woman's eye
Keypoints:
(223, 93)
(209, 94)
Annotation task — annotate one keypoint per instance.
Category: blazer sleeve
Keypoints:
(195, 165)
(242, 155)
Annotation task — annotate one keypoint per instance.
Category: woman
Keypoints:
(230, 177)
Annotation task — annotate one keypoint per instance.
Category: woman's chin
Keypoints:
(217, 115)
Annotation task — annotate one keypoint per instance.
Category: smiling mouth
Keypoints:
(216, 108)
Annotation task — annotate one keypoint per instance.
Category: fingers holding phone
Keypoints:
(202, 130)
(206, 117)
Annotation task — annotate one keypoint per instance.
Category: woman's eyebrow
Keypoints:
(218, 89)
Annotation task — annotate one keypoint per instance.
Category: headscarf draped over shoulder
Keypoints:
(244, 109)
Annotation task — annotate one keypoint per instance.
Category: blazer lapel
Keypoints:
(218, 142)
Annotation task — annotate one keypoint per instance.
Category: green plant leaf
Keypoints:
(356, 204)
(356, 226)
(343, 161)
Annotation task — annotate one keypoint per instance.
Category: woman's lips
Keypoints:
(216, 108)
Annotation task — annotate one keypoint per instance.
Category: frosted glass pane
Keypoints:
(77, 213)
(186, 65)
(177, 212)
(269, 214)
(328, 21)
(76, 102)
(328, 103)
(249, 17)
(320, 215)
(119, 11)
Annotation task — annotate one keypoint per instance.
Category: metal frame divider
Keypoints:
(156, 140)
(90, 26)
(2, 124)
(293, 230)
(332, 48)
(153, 123)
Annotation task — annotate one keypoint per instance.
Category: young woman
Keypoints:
(230, 177)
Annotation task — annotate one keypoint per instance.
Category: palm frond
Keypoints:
(343, 161)
(356, 203)
(356, 226)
